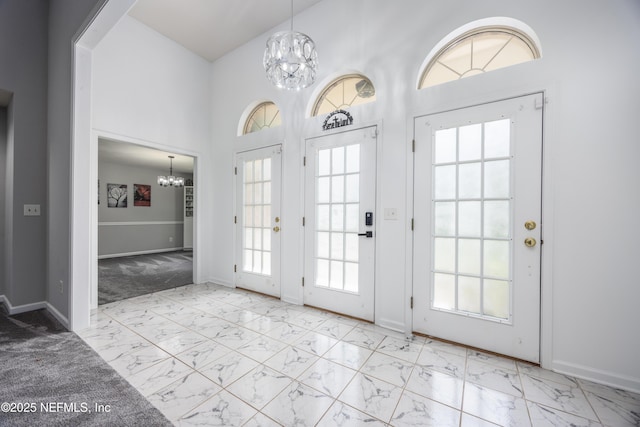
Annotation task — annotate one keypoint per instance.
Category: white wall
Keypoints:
(151, 91)
(590, 58)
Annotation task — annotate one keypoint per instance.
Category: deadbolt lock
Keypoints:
(530, 242)
(277, 219)
(530, 225)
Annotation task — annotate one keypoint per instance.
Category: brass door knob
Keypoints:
(530, 225)
(530, 242)
(277, 219)
(276, 228)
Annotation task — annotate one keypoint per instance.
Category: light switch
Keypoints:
(31, 210)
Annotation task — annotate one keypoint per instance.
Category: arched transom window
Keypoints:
(476, 52)
(265, 115)
(344, 92)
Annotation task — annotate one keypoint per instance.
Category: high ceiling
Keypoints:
(139, 156)
(211, 28)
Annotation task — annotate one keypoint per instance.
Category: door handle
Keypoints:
(368, 234)
(276, 228)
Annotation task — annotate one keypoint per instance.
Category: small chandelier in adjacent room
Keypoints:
(170, 181)
(290, 59)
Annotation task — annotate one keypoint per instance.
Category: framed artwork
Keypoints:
(117, 195)
(141, 195)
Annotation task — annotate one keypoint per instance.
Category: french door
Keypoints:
(477, 234)
(340, 200)
(258, 223)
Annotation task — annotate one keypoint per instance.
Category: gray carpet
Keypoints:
(128, 277)
(42, 363)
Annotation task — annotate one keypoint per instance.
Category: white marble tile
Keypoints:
(327, 377)
(400, 348)
(342, 415)
(196, 322)
(471, 421)
(372, 396)
(610, 392)
(545, 374)
(204, 353)
(261, 420)
(315, 343)
(564, 397)
(287, 332)
(284, 313)
(216, 328)
(334, 328)
(364, 338)
(494, 406)
(228, 368)
(235, 315)
(183, 395)
(117, 346)
(416, 410)
(128, 364)
(235, 337)
(543, 416)
(491, 359)
(259, 386)
(381, 330)
(262, 324)
(182, 341)
(268, 307)
(291, 361)
(223, 409)
(618, 413)
(349, 355)
(298, 405)
(389, 369)
(155, 377)
(437, 345)
(308, 320)
(441, 361)
(494, 377)
(437, 386)
(159, 332)
(261, 348)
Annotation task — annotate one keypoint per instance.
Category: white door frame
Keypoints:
(546, 277)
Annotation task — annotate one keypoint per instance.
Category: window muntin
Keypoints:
(265, 115)
(345, 92)
(476, 52)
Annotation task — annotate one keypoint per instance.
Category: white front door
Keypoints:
(477, 232)
(340, 200)
(258, 223)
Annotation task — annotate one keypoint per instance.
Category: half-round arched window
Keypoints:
(344, 92)
(265, 115)
(478, 51)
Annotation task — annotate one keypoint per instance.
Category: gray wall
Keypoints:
(65, 18)
(23, 49)
(139, 231)
(3, 180)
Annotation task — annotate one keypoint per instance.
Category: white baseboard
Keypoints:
(151, 251)
(218, 281)
(32, 307)
(390, 324)
(597, 376)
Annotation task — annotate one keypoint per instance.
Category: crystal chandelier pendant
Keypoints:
(290, 60)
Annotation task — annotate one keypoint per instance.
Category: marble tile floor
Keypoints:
(208, 355)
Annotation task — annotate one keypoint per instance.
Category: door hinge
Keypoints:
(413, 146)
(304, 161)
(303, 282)
(235, 219)
(411, 303)
(235, 172)
(411, 224)
(235, 268)
(303, 221)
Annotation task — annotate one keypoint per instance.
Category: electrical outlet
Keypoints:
(31, 210)
(170, 239)
(61, 286)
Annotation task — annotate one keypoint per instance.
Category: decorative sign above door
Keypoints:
(337, 119)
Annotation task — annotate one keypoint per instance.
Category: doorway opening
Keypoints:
(145, 231)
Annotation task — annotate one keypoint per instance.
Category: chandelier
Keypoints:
(170, 181)
(290, 59)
